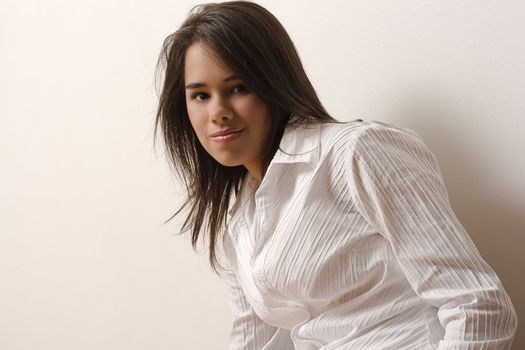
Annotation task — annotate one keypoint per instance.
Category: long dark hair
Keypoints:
(254, 45)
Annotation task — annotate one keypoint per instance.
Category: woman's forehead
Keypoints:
(202, 60)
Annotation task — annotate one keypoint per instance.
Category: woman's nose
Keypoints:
(221, 111)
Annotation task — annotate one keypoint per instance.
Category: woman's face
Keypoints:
(231, 122)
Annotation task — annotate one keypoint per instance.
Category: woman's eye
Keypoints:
(239, 89)
(200, 96)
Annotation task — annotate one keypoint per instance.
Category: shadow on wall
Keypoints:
(494, 221)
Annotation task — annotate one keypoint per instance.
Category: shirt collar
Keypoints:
(299, 144)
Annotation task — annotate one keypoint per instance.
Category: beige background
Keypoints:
(85, 262)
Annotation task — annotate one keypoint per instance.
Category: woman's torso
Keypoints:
(310, 263)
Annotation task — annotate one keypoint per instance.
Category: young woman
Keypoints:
(335, 235)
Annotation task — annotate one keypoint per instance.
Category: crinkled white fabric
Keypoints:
(350, 242)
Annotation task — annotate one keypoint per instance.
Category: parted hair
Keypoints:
(253, 44)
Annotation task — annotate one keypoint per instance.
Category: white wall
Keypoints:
(85, 262)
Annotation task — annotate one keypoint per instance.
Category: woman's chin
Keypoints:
(228, 162)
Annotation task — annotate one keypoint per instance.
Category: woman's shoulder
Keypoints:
(361, 132)
(372, 140)
(361, 128)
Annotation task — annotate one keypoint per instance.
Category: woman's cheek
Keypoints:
(197, 116)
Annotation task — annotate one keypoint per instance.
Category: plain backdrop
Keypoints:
(85, 259)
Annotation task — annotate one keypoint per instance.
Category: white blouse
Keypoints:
(350, 242)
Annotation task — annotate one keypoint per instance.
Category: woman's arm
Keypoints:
(396, 183)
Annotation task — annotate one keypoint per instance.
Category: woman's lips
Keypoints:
(230, 136)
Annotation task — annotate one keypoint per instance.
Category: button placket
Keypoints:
(261, 213)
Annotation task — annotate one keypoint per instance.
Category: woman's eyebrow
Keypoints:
(199, 85)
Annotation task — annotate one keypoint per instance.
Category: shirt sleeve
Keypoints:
(397, 185)
(249, 332)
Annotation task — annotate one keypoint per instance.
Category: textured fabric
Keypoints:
(350, 242)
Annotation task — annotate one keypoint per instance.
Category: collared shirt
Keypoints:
(350, 242)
